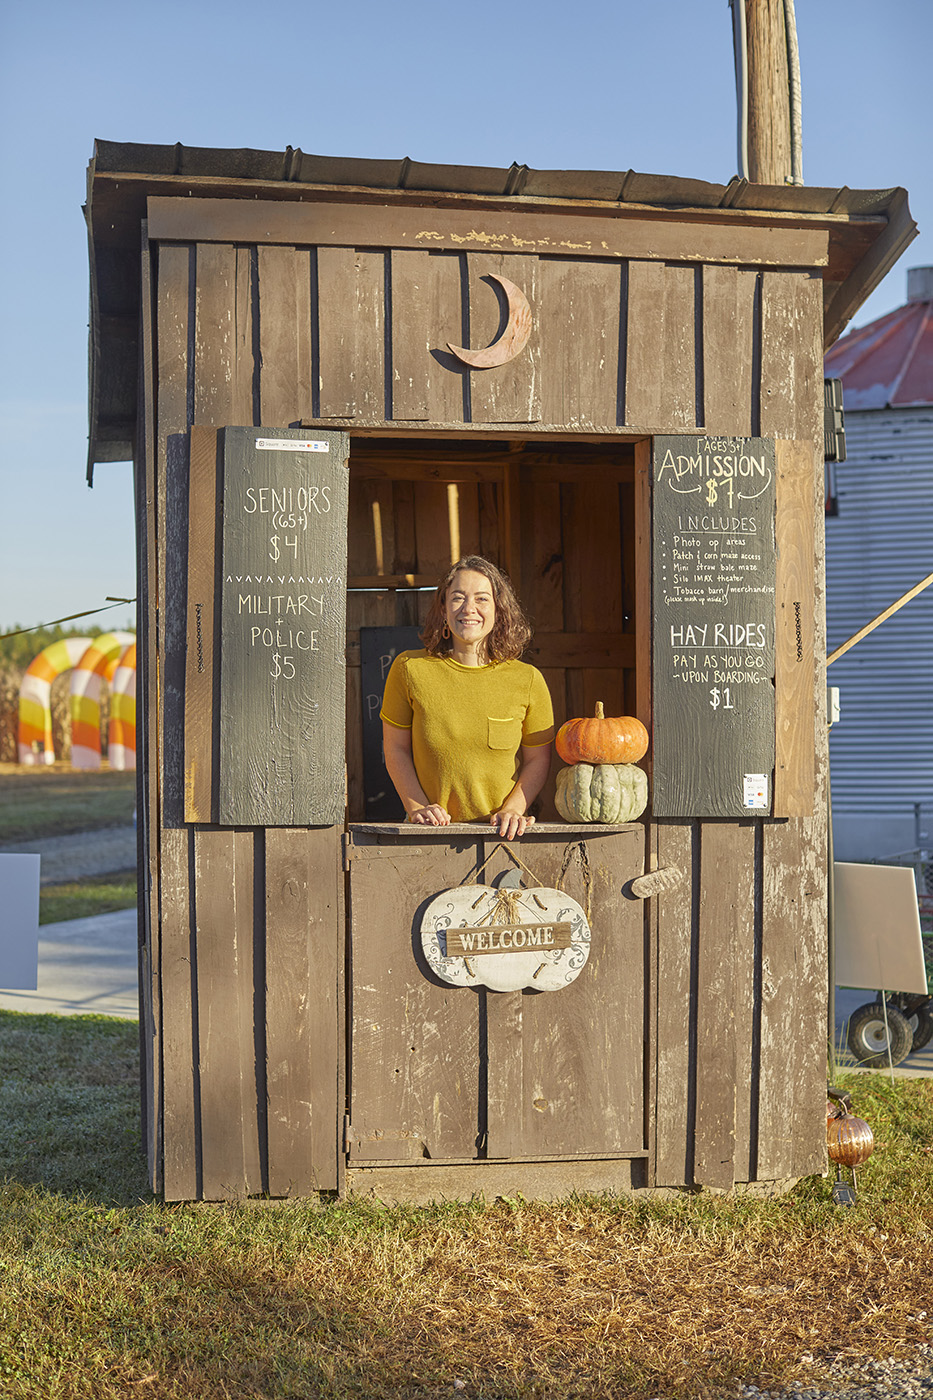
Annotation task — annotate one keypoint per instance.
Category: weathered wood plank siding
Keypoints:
(253, 331)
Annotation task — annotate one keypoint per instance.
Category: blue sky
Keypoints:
(598, 85)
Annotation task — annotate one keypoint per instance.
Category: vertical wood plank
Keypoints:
(629, 587)
(542, 581)
(363, 542)
(508, 393)
(490, 536)
(464, 501)
(303, 942)
(555, 678)
(405, 559)
(427, 382)
(147, 773)
(584, 1048)
(728, 345)
(356, 796)
(794, 647)
(510, 526)
(652, 1002)
(593, 548)
(414, 1043)
(793, 1001)
(599, 1018)
(726, 914)
(779, 977)
(791, 356)
(794, 952)
(505, 1095)
(223, 362)
(675, 921)
(181, 1176)
(175, 996)
(202, 626)
(223, 875)
(432, 529)
(351, 333)
(660, 362)
(284, 335)
(244, 395)
(747, 1014)
(581, 307)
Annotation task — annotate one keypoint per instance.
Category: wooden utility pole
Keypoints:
(768, 104)
(769, 115)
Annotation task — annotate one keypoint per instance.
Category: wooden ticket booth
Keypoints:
(286, 346)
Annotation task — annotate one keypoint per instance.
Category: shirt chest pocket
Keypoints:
(504, 733)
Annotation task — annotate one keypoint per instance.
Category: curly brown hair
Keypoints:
(511, 632)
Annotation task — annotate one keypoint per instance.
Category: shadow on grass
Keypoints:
(69, 1107)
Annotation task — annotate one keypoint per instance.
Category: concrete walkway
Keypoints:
(85, 966)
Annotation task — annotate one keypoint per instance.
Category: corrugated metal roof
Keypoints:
(621, 186)
(888, 363)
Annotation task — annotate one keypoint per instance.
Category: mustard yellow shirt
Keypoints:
(467, 724)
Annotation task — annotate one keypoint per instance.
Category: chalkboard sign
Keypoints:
(713, 626)
(282, 583)
(379, 646)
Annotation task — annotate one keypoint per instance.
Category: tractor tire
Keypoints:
(921, 1025)
(868, 1035)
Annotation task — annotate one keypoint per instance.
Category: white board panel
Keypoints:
(877, 928)
(19, 922)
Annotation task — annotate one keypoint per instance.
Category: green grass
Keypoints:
(94, 894)
(56, 801)
(105, 1292)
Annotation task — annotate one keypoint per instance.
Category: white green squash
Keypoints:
(601, 792)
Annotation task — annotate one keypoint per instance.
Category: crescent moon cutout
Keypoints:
(514, 337)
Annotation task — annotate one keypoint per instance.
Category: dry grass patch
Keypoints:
(106, 1293)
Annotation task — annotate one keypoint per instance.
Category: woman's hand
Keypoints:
(512, 819)
(509, 824)
(431, 815)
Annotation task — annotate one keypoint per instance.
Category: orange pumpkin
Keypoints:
(602, 739)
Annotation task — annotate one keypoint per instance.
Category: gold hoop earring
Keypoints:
(446, 633)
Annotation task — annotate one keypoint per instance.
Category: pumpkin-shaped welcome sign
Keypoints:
(505, 939)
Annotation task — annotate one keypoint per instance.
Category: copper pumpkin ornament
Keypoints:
(849, 1140)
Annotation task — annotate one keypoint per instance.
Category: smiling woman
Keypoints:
(467, 727)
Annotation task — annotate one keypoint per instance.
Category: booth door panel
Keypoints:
(461, 1074)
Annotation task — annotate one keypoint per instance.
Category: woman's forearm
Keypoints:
(396, 746)
(401, 768)
(536, 764)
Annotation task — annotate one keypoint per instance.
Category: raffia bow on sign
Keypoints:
(479, 935)
(572, 848)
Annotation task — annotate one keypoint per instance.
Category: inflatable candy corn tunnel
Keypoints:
(110, 658)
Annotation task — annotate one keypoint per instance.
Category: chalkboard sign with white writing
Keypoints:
(713, 626)
(282, 582)
(379, 646)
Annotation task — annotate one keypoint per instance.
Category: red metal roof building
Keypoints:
(889, 363)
